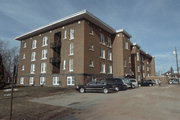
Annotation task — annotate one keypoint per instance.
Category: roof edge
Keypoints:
(123, 31)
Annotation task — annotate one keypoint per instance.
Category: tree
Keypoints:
(9, 59)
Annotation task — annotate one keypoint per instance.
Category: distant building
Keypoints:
(1, 69)
(78, 49)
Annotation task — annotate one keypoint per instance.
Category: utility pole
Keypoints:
(176, 55)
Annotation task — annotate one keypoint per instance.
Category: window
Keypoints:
(143, 67)
(126, 45)
(55, 80)
(109, 42)
(33, 56)
(102, 68)
(109, 55)
(22, 68)
(42, 80)
(91, 32)
(24, 44)
(138, 56)
(91, 64)
(110, 69)
(65, 34)
(147, 68)
(31, 80)
(139, 77)
(102, 38)
(43, 67)
(70, 80)
(71, 65)
(34, 44)
(144, 75)
(64, 65)
(21, 80)
(71, 49)
(129, 59)
(24, 56)
(147, 62)
(45, 41)
(32, 68)
(102, 54)
(44, 54)
(71, 34)
(91, 48)
(138, 68)
(148, 75)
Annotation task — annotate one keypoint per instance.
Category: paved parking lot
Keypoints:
(150, 103)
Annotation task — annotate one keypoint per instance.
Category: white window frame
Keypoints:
(45, 41)
(91, 63)
(56, 80)
(32, 70)
(31, 80)
(24, 56)
(44, 54)
(24, 44)
(91, 48)
(21, 81)
(71, 35)
(43, 67)
(148, 69)
(71, 49)
(65, 34)
(110, 69)
(42, 81)
(126, 45)
(71, 65)
(102, 67)
(102, 38)
(33, 56)
(138, 68)
(64, 65)
(109, 42)
(91, 31)
(70, 80)
(22, 68)
(103, 53)
(34, 43)
(138, 56)
(109, 55)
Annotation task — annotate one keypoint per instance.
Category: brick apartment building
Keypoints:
(77, 49)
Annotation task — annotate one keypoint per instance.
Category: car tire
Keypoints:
(150, 85)
(105, 90)
(81, 90)
(116, 89)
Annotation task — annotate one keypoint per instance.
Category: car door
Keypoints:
(91, 86)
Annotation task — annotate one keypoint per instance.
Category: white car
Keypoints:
(134, 83)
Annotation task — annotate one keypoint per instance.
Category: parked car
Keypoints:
(127, 82)
(134, 83)
(174, 81)
(99, 86)
(148, 83)
(117, 83)
(2, 85)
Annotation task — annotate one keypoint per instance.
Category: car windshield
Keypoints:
(133, 80)
(125, 80)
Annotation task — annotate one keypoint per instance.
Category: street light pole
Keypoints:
(176, 55)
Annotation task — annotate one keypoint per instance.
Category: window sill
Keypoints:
(44, 45)
(70, 54)
(91, 34)
(109, 59)
(71, 39)
(102, 58)
(43, 58)
(92, 50)
(70, 84)
(92, 66)
(34, 48)
(103, 72)
(43, 72)
(33, 60)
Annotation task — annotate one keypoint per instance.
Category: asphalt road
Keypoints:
(145, 103)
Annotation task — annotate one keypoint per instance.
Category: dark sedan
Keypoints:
(147, 83)
(117, 83)
(99, 86)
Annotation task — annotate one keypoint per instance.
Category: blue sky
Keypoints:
(153, 24)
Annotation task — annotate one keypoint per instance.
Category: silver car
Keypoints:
(134, 83)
